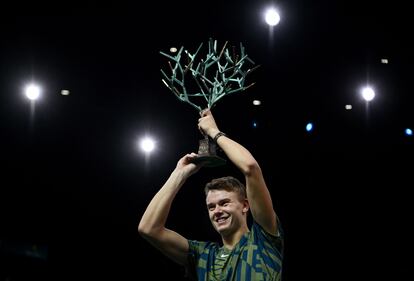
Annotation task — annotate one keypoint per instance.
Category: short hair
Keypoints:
(228, 183)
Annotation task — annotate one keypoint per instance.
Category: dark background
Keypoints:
(74, 185)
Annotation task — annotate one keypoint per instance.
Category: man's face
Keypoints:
(227, 213)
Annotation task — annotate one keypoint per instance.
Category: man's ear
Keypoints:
(246, 206)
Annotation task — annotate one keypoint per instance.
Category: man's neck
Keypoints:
(230, 241)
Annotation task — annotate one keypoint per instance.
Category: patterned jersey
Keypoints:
(257, 257)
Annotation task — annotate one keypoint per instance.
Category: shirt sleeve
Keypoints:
(272, 244)
(199, 254)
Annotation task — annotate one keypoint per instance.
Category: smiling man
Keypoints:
(244, 254)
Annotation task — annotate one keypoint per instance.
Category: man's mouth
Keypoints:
(221, 220)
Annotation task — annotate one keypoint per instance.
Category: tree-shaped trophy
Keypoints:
(217, 75)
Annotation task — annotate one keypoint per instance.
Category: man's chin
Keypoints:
(223, 230)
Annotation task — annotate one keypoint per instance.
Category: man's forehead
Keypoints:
(217, 195)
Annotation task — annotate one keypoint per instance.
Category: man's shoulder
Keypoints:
(256, 227)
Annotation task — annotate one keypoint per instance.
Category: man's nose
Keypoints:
(217, 209)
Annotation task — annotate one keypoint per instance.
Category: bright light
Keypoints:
(408, 132)
(147, 144)
(384, 61)
(309, 127)
(272, 17)
(32, 92)
(368, 93)
(65, 92)
(173, 49)
(257, 102)
(348, 107)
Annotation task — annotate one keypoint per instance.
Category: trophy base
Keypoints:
(209, 160)
(207, 154)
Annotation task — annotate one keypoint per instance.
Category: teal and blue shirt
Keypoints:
(257, 257)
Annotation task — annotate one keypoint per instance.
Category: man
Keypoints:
(245, 254)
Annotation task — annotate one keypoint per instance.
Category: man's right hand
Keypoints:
(187, 166)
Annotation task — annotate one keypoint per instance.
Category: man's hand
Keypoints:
(206, 124)
(186, 165)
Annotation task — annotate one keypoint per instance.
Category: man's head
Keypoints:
(227, 204)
